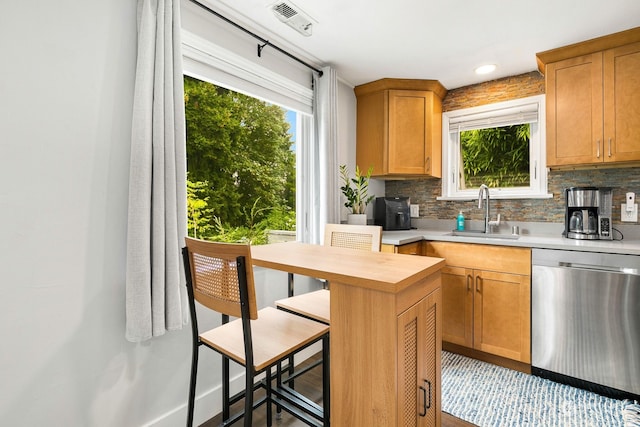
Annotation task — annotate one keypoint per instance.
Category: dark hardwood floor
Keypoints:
(310, 385)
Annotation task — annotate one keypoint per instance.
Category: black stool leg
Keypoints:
(279, 385)
(269, 396)
(192, 385)
(290, 367)
(225, 389)
(248, 396)
(326, 389)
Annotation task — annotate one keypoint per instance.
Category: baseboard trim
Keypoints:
(486, 357)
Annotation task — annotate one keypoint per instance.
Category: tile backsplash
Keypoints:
(424, 192)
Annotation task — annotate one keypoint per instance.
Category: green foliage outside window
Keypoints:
(254, 232)
(241, 169)
(497, 157)
(199, 213)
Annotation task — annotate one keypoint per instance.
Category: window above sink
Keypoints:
(501, 145)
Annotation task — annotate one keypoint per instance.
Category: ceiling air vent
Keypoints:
(293, 16)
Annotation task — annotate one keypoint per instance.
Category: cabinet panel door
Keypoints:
(574, 111)
(431, 366)
(409, 323)
(622, 103)
(457, 305)
(371, 128)
(502, 314)
(408, 131)
(419, 363)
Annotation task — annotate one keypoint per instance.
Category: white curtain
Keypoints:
(155, 295)
(320, 197)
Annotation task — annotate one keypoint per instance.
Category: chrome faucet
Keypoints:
(484, 191)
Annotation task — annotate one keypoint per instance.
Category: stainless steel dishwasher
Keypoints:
(585, 320)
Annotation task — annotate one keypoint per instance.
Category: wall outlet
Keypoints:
(415, 211)
(629, 216)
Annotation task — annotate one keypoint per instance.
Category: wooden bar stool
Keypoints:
(220, 277)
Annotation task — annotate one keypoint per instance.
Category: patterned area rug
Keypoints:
(493, 396)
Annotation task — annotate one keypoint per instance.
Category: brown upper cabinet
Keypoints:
(399, 127)
(593, 107)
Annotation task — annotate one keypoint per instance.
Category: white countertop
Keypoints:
(544, 241)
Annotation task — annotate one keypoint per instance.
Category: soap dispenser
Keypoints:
(460, 222)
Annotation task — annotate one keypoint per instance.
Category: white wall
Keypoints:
(65, 107)
(347, 142)
(66, 85)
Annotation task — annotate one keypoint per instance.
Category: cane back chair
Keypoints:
(220, 278)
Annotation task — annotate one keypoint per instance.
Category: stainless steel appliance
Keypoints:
(585, 320)
(392, 213)
(588, 213)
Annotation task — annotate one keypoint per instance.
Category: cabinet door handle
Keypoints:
(597, 149)
(469, 282)
(425, 405)
(609, 147)
(478, 280)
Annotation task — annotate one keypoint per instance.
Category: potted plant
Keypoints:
(355, 191)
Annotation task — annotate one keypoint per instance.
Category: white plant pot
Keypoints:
(357, 219)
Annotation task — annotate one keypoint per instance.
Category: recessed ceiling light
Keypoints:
(485, 69)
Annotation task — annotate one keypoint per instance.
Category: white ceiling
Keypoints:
(446, 40)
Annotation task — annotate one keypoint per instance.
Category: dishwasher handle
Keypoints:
(607, 268)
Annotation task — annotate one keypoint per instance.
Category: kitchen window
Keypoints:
(500, 145)
(241, 165)
(208, 62)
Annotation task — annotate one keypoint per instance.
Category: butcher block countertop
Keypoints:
(365, 269)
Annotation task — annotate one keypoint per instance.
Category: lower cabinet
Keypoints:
(414, 248)
(486, 298)
(386, 360)
(419, 348)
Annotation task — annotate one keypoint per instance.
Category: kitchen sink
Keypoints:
(483, 235)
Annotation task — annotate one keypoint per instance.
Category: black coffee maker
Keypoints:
(588, 213)
(393, 213)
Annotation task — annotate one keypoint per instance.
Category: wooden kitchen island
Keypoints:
(385, 330)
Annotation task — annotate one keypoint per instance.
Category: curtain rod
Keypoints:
(264, 42)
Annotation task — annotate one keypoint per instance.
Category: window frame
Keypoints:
(537, 152)
(210, 62)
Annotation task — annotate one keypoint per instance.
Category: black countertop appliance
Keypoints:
(393, 213)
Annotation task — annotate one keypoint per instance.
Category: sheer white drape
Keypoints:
(155, 296)
(319, 199)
